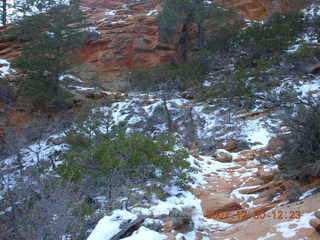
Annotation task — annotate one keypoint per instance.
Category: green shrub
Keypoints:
(301, 150)
(275, 35)
(181, 76)
(223, 38)
(306, 50)
(116, 155)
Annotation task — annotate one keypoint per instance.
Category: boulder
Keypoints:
(266, 176)
(167, 226)
(229, 145)
(217, 203)
(317, 214)
(247, 155)
(275, 144)
(315, 223)
(223, 156)
(55, 141)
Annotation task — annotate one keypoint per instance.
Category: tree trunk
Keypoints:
(201, 37)
(4, 12)
(185, 38)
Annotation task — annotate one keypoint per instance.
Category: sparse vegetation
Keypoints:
(178, 76)
(301, 151)
(46, 53)
(115, 158)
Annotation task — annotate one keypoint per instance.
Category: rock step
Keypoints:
(315, 223)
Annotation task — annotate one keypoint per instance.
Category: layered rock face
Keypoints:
(125, 34)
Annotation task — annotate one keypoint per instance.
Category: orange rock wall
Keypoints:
(129, 37)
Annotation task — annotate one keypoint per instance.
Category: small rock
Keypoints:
(315, 223)
(94, 95)
(55, 141)
(275, 144)
(247, 155)
(168, 226)
(187, 94)
(223, 156)
(78, 99)
(317, 214)
(266, 176)
(229, 145)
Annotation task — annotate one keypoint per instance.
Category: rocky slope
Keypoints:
(234, 196)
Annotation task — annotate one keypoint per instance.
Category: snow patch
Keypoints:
(290, 229)
(109, 226)
(308, 193)
(145, 233)
(267, 236)
(70, 76)
(153, 12)
(110, 13)
(257, 132)
(5, 68)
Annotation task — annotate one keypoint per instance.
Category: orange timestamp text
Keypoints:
(258, 214)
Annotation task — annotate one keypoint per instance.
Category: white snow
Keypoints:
(111, 12)
(109, 226)
(70, 76)
(257, 132)
(206, 83)
(153, 12)
(145, 233)
(92, 30)
(79, 88)
(289, 229)
(312, 11)
(39, 151)
(267, 236)
(247, 198)
(309, 87)
(308, 193)
(5, 69)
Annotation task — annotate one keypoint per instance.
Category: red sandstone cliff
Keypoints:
(126, 34)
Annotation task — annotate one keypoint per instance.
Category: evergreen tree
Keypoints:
(180, 16)
(51, 31)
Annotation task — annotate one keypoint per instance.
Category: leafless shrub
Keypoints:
(301, 150)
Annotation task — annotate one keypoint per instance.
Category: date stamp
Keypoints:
(258, 215)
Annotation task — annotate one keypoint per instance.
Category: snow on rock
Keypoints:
(257, 132)
(247, 198)
(111, 13)
(93, 30)
(289, 229)
(208, 165)
(145, 233)
(308, 193)
(153, 12)
(312, 11)
(308, 87)
(5, 68)
(70, 76)
(109, 226)
(267, 236)
(36, 152)
(82, 89)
